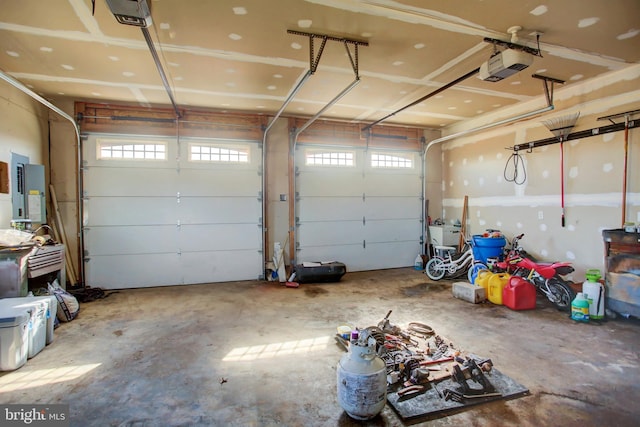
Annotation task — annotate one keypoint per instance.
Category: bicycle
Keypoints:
(455, 266)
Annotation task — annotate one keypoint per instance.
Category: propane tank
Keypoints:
(594, 291)
(362, 380)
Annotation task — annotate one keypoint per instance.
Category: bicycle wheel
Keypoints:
(473, 271)
(435, 268)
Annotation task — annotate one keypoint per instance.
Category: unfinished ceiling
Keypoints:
(239, 55)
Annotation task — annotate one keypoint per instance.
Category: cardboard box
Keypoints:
(468, 292)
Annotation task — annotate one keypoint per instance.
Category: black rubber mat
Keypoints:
(431, 404)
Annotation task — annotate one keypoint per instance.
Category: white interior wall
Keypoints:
(474, 166)
(433, 172)
(23, 130)
(277, 184)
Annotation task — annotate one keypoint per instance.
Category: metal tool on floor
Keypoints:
(465, 392)
(411, 391)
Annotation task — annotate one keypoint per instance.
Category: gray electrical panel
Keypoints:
(35, 194)
(28, 194)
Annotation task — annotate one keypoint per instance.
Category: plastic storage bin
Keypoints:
(52, 310)
(37, 326)
(14, 338)
(487, 247)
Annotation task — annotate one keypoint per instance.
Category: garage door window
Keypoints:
(394, 161)
(112, 149)
(212, 153)
(330, 158)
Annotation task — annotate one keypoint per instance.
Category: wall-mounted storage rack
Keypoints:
(529, 146)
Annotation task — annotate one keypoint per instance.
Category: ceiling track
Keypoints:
(509, 45)
(314, 60)
(163, 76)
(325, 108)
(435, 92)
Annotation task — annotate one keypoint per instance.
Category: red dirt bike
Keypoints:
(546, 277)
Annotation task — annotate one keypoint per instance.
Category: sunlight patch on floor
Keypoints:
(266, 351)
(23, 379)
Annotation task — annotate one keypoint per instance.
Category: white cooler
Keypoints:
(14, 338)
(52, 308)
(37, 328)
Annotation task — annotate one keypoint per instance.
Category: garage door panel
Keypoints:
(143, 211)
(331, 208)
(325, 184)
(391, 230)
(391, 255)
(216, 266)
(130, 240)
(357, 258)
(343, 254)
(221, 237)
(130, 182)
(392, 207)
(164, 222)
(212, 210)
(330, 233)
(134, 271)
(208, 183)
(392, 184)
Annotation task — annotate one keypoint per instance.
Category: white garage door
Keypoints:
(158, 212)
(359, 207)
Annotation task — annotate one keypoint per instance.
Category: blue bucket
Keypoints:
(487, 247)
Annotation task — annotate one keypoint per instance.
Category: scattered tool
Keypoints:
(435, 362)
(417, 359)
(419, 376)
(386, 326)
(420, 329)
(411, 390)
(464, 391)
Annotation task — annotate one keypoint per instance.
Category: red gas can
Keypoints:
(519, 294)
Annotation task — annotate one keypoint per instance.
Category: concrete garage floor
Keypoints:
(156, 357)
